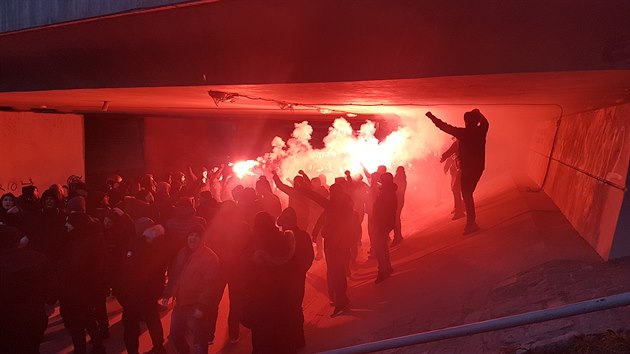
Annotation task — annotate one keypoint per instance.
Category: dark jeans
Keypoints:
(336, 262)
(101, 314)
(469, 183)
(381, 248)
(236, 308)
(78, 317)
(131, 318)
(182, 321)
(456, 188)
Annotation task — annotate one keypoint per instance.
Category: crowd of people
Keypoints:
(182, 240)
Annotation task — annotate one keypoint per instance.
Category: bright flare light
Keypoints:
(244, 168)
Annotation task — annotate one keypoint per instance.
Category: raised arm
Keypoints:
(445, 127)
(367, 174)
(305, 176)
(286, 189)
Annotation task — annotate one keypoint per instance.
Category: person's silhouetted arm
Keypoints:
(445, 127)
(305, 176)
(286, 189)
(367, 174)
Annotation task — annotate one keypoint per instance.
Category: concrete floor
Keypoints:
(518, 262)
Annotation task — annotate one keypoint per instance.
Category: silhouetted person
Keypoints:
(298, 266)
(141, 284)
(472, 157)
(297, 200)
(373, 179)
(80, 276)
(267, 309)
(23, 294)
(338, 224)
(453, 168)
(270, 202)
(229, 237)
(400, 179)
(384, 215)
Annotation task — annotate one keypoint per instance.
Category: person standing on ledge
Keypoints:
(472, 157)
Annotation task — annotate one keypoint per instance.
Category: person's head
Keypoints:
(8, 201)
(381, 169)
(51, 199)
(113, 181)
(77, 205)
(298, 182)
(264, 222)
(471, 118)
(163, 189)
(337, 192)
(316, 182)
(322, 179)
(236, 193)
(78, 188)
(180, 177)
(194, 237)
(400, 170)
(147, 182)
(386, 179)
(263, 186)
(204, 172)
(30, 192)
(184, 207)
(248, 195)
(287, 219)
(59, 189)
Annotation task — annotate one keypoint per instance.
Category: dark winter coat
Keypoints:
(141, 280)
(384, 213)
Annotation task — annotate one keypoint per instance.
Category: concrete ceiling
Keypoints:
(574, 91)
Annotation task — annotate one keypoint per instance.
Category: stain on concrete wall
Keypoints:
(39, 149)
(588, 172)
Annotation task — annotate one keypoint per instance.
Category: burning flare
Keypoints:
(244, 168)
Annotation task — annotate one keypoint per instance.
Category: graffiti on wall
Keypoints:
(14, 185)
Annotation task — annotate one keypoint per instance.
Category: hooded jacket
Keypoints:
(193, 277)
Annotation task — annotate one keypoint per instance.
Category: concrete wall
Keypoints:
(39, 148)
(21, 14)
(587, 175)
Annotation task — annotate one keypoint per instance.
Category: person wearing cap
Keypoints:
(191, 283)
(472, 157)
(141, 283)
(384, 215)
